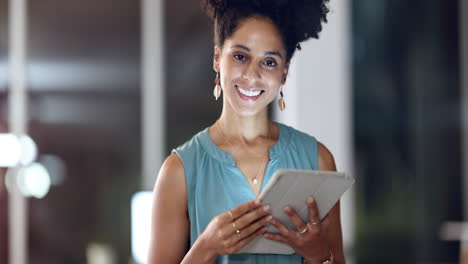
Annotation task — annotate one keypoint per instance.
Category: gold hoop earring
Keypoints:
(217, 89)
(281, 103)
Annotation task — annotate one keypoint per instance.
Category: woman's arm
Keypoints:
(335, 238)
(169, 239)
(170, 223)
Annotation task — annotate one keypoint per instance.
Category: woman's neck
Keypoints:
(246, 127)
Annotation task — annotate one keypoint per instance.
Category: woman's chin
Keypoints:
(248, 108)
(249, 111)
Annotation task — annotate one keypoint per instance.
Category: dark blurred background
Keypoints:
(407, 126)
(85, 108)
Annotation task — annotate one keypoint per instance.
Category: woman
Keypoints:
(205, 208)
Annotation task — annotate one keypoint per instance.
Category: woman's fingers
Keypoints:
(295, 218)
(314, 219)
(233, 229)
(238, 219)
(311, 238)
(252, 216)
(254, 227)
(280, 227)
(247, 232)
(243, 242)
(276, 237)
(313, 211)
(242, 209)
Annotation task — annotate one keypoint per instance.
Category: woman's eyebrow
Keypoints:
(241, 47)
(268, 53)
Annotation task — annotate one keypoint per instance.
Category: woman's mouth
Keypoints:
(249, 94)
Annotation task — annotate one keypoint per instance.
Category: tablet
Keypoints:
(292, 187)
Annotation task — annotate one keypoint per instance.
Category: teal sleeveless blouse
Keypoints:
(215, 184)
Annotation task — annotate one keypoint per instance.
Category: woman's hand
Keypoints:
(230, 231)
(309, 240)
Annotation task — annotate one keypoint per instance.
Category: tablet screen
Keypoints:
(292, 187)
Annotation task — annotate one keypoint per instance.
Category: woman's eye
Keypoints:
(270, 63)
(240, 57)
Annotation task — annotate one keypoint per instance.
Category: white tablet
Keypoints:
(292, 187)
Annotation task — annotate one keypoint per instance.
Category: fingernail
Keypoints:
(257, 202)
(310, 199)
(287, 209)
(269, 218)
(266, 208)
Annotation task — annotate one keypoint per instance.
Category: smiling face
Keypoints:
(252, 66)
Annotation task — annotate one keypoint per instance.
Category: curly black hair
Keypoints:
(297, 20)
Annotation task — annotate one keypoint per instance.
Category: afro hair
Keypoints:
(297, 20)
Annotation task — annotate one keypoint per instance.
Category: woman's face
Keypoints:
(252, 66)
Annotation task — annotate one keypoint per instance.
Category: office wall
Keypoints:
(3, 117)
(407, 129)
(84, 111)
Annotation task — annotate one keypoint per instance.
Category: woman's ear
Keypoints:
(285, 73)
(216, 56)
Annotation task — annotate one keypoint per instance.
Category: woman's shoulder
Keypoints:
(325, 157)
(172, 165)
(181, 160)
(192, 151)
(294, 134)
(193, 144)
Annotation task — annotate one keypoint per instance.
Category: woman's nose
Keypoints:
(251, 72)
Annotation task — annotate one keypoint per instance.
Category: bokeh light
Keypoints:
(28, 150)
(10, 152)
(34, 180)
(141, 219)
(55, 166)
(17, 150)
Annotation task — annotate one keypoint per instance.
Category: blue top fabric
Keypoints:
(216, 185)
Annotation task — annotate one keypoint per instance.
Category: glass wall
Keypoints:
(3, 116)
(407, 129)
(190, 105)
(84, 110)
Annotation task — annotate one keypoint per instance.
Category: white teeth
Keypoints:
(248, 93)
